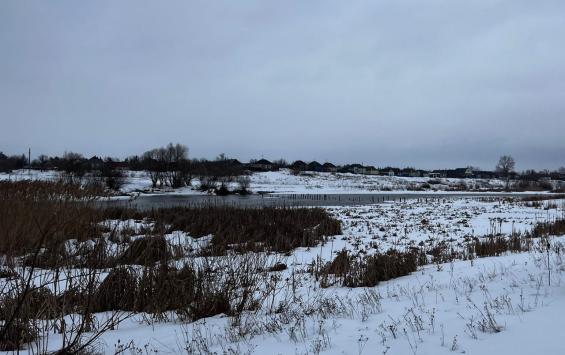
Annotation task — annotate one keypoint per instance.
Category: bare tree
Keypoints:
(151, 160)
(176, 157)
(505, 167)
(168, 165)
(41, 161)
(244, 182)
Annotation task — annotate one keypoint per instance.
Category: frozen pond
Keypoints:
(281, 200)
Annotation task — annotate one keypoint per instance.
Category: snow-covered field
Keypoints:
(500, 305)
(494, 305)
(284, 181)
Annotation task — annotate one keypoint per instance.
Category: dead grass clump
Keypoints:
(497, 245)
(145, 251)
(191, 293)
(549, 228)
(39, 214)
(164, 289)
(340, 265)
(213, 304)
(19, 311)
(117, 291)
(19, 333)
(277, 267)
(538, 198)
(368, 271)
(240, 229)
(442, 252)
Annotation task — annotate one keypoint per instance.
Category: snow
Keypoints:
(439, 309)
(432, 311)
(284, 181)
(26, 174)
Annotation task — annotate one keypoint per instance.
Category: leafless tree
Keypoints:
(505, 167)
(176, 157)
(41, 161)
(151, 160)
(244, 182)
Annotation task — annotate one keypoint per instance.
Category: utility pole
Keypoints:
(29, 160)
(548, 266)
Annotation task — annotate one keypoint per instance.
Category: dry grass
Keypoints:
(44, 214)
(367, 271)
(242, 230)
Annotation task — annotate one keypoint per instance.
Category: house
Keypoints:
(390, 173)
(299, 165)
(438, 174)
(118, 165)
(410, 172)
(371, 170)
(314, 166)
(329, 168)
(357, 169)
(485, 174)
(469, 172)
(95, 163)
(260, 165)
(350, 168)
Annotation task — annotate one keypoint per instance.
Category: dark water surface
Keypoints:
(145, 202)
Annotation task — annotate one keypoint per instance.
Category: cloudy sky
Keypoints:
(436, 83)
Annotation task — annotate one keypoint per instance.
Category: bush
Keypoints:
(146, 251)
(368, 271)
(275, 229)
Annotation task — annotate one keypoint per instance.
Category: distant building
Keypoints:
(299, 165)
(261, 165)
(485, 174)
(95, 163)
(371, 170)
(314, 166)
(329, 168)
(359, 169)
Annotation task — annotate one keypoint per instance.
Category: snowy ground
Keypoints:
(495, 305)
(284, 181)
(499, 305)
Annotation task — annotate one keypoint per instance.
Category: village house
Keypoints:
(260, 165)
(299, 165)
(314, 166)
(329, 168)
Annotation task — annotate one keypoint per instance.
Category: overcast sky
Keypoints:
(403, 82)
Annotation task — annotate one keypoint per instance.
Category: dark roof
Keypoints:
(263, 162)
(328, 165)
(95, 158)
(355, 165)
(314, 163)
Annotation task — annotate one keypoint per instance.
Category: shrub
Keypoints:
(276, 229)
(146, 251)
(368, 271)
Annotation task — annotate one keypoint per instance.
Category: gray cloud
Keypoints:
(428, 84)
